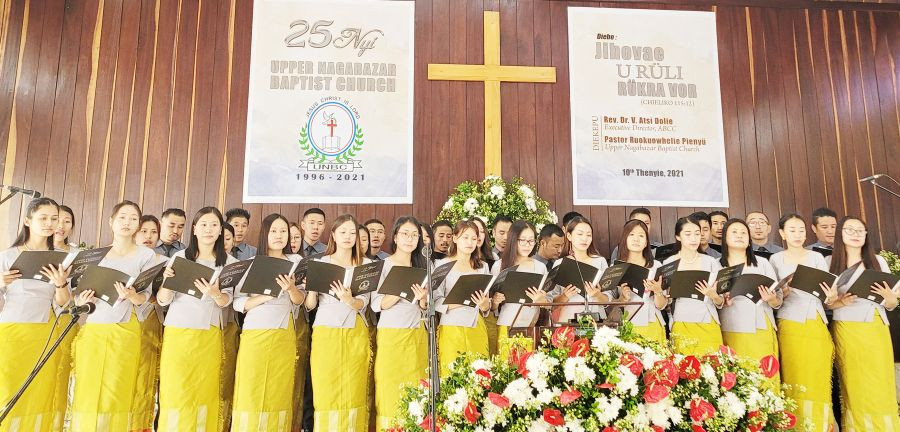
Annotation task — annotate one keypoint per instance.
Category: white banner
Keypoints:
(646, 108)
(330, 116)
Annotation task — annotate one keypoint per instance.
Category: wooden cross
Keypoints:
(492, 74)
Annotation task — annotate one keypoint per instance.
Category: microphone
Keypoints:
(85, 309)
(870, 178)
(426, 251)
(28, 192)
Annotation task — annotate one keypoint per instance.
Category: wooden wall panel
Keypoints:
(103, 100)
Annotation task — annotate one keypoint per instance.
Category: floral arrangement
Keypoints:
(615, 381)
(893, 261)
(493, 196)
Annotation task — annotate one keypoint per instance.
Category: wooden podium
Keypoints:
(615, 316)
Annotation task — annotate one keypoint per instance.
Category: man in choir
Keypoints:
(824, 225)
(759, 233)
(551, 239)
(705, 225)
(172, 221)
(313, 225)
(239, 219)
(717, 221)
(569, 216)
(443, 236)
(499, 230)
(376, 238)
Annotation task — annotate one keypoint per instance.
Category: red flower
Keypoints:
(697, 428)
(424, 383)
(394, 429)
(610, 429)
(580, 348)
(486, 377)
(788, 421)
(664, 372)
(499, 400)
(569, 396)
(426, 423)
(657, 428)
(689, 368)
(523, 370)
(632, 363)
(471, 413)
(701, 410)
(606, 385)
(769, 366)
(755, 422)
(563, 336)
(515, 354)
(728, 380)
(713, 360)
(727, 350)
(655, 393)
(553, 417)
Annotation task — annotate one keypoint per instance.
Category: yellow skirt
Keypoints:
(189, 379)
(340, 363)
(230, 342)
(401, 359)
(61, 400)
(20, 349)
(696, 338)
(453, 340)
(490, 325)
(505, 343)
(807, 353)
(653, 331)
(865, 362)
(148, 374)
(264, 380)
(301, 326)
(106, 371)
(755, 346)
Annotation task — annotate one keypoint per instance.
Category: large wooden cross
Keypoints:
(492, 74)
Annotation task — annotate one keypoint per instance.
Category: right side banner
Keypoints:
(646, 108)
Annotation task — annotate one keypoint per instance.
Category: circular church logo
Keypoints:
(332, 128)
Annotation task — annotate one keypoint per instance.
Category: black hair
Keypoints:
(193, 249)
(703, 216)
(264, 234)
(440, 223)
(551, 230)
(788, 216)
(144, 219)
(751, 257)
(172, 211)
(717, 213)
(314, 210)
(839, 253)
(229, 228)
(373, 220)
(416, 257)
(67, 209)
(511, 253)
(640, 210)
(569, 216)
(679, 227)
(501, 218)
(359, 230)
(237, 212)
(25, 231)
(822, 212)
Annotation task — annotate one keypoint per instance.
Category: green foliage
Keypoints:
(893, 261)
(493, 196)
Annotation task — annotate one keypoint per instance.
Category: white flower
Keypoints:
(481, 364)
(603, 337)
(608, 409)
(539, 425)
(470, 205)
(709, 374)
(577, 371)
(416, 409)
(539, 227)
(731, 405)
(627, 382)
(573, 425)
(498, 192)
(518, 392)
(553, 217)
(660, 412)
(526, 191)
(530, 204)
(457, 402)
(639, 418)
(545, 396)
(540, 365)
(649, 357)
(491, 414)
(448, 204)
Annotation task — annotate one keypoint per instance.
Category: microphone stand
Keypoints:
(37, 368)
(878, 186)
(431, 326)
(7, 198)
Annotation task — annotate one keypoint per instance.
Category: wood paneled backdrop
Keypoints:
(102, 100)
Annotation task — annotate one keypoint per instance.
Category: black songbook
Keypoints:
(84, 259)
(501, 277)
(863, 285)
(666, 271)
(809, 279)
(826, 252)
(517, 283)
(30, 263)
(625, 273)
(466, 286)
(747, 285)
(102, 281)
(261, 278)
(186, 272)
(715, 247)
(232, 273)
(726, 277)
(572, 272)
(665, 251)
(364, 278)
(303, 266)
(149, 278)
(361, 279)
(684, 284)
(399, 282)
(763, 254)
(439, 274)
(550, 280)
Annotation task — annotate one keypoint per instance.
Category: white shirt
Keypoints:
(568, 312)
(861, 310)
(648, 312)
(187, 311)
(335, 313)
(508, 310)
(120, 312)
(273, 314)
(403, 314)
(461, 316)
(800, 306)
(688, 310)
(745, 316)
(24, 300)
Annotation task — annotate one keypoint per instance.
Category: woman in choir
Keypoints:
(296, 239)
(303, 336)
(65, 224)
(695, 322)
(148, 235)
(264, 380)
(486, 255)
(340, 352)
(28, 309)
(401, 340)
(228, 235)
(648, 320)
(521, 240)
(230, 335)
(462, 327)
(749, 327)
(364, 241)
(190, 398)
(805, 345)
(862, 340)
(108, 346)
(580, 247)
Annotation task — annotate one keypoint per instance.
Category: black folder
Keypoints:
(186, 272)
(439, 274)
(361, 279)
(631, 274)
(466, 286)
(102, 281)
(302, 268)
(148, 279)
(399, 282)
(808, 279)
(763, 254)
(747, 285)
(516, 284)
(726, 276)
(84, 259)
(364, 278)
(684, 284)
(572, 272)
(232, 273)
(262, 275)
(666, 271)
(826, 252)
(665, 251)
(863, 285)
(30, 263)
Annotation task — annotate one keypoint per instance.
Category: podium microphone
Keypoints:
(871, 177)
(26, 192)
(85, 309)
